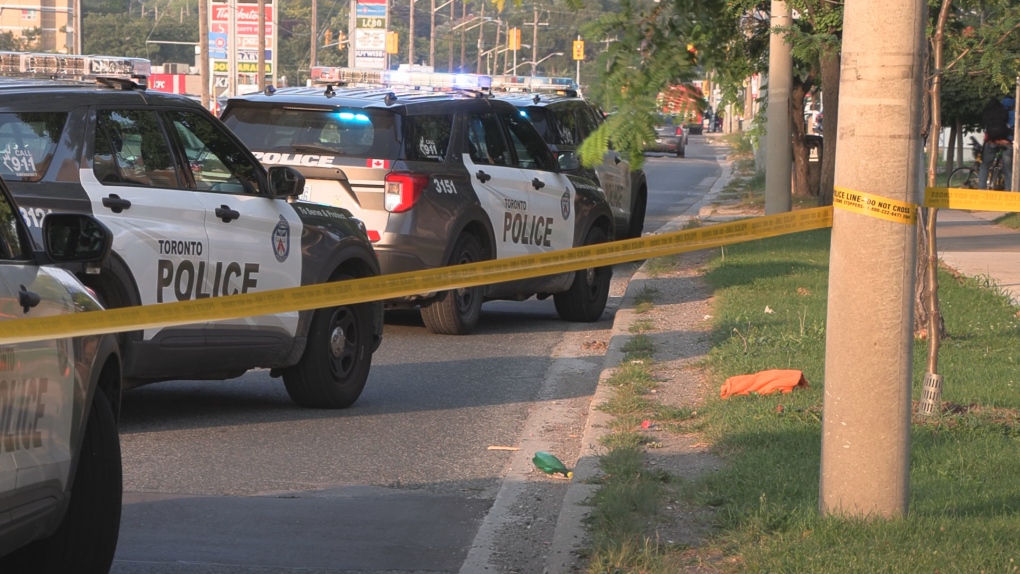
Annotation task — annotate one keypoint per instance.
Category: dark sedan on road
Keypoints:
(669, 137)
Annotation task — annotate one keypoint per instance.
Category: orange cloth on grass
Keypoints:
(764, 383)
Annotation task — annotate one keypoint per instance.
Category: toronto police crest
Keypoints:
(565, 205)
(281, 240)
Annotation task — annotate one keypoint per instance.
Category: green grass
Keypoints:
(965, 466)
(1010, 220)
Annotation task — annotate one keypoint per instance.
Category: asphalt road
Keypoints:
(225, 477)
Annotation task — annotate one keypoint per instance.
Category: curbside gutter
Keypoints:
(571, 535)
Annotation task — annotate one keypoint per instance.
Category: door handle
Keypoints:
(115, 203)
(27, 299)
(537, 183)
(226, 214)
(482, 176)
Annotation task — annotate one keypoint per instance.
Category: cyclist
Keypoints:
(998, 137)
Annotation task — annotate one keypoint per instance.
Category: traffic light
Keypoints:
(327, 36)
(578, 49)
(514, 39)
(341, 40)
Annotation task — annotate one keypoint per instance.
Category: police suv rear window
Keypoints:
(27, 143)
(343, 132)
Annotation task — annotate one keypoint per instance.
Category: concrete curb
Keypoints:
(570, 536)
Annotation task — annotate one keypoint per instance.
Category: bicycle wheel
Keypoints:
(965, 177)
(996, 179)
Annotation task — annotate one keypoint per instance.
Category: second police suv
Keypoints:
(441, 174)
(193, 215)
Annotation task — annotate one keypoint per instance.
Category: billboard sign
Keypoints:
(369, 42)
(245, 41)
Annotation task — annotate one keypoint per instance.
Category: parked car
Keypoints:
(441, 174)
(60, 466)
(564, 120)
(193, 215)
(669, 137)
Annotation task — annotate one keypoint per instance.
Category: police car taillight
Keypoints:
(679, 131)
(403, 190)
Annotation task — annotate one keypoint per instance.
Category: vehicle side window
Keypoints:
(131, 149)
(10, 243)
(532, 152)
(485, 141)
(428, 137)
(27, 143)
(586, 123)
(216, 163)
(566, 126)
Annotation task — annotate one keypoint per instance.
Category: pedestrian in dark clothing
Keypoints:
(998, 137)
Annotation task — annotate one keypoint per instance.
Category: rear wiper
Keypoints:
(316, 147)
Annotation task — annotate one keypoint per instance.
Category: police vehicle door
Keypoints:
(500, 186)
(254, 241)
(614, 172)
(36, 379)
(137, 189)
(550, 222)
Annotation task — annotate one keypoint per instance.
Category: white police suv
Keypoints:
(441, 174)
(193, 215)
(564, 119)
(60, 467)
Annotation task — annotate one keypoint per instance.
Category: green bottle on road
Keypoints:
(549, 464)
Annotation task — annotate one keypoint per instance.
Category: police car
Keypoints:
(60, 467)
(441, 174)
(193, 215)
(565, 119)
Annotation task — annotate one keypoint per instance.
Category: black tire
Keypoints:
(456, 312)
(86, 539)
(681, 151)
(964, 177)
(585, 301)
(334, 368)
(637, 215)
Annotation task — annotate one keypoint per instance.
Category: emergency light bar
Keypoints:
(424, 81)
(37, 65)
(564, 86)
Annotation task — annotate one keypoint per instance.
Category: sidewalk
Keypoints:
(967, 241)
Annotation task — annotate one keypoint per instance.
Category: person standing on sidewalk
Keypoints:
(998, 136)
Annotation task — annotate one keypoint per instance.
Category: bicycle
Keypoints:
(966, 177)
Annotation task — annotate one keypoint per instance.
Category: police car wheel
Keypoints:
(456, 312)
(332, 372)
(86, 539)
(637, 216)
(586, 299)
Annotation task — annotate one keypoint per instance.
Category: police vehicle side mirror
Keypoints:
(285, 181)
(568, 161)
(75, 237)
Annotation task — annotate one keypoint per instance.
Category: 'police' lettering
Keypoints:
(190, 282)
(536, 232)
(22, 405)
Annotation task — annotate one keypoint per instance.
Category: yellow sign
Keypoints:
(874, 205)
(578, 49)
(973, 199)
(222, 67)
(412, 283)
(514, 39)
(392, 40)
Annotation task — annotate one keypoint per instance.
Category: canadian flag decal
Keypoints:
(380, 163)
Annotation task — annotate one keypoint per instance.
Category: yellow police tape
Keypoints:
(874, 205)
(972, 199)
(404, 284)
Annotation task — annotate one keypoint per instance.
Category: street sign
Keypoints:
(369, 42)
(392, 42)
(514, 39)
(578, 49)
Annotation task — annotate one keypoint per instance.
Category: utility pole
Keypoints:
(203, 51)
(315, 32)
(261, 75)
(232, 48)
(432, 38)
(481, 39)
(463, 20)
(865, 464)
(777, 168)
(1015, 186)
(410, 39)
(453, 17)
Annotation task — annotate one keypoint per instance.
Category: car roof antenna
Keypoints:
(390, 99)
(329, 91)
(537, 98)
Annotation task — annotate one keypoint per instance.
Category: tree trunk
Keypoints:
(829, 63)
(801, 186)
